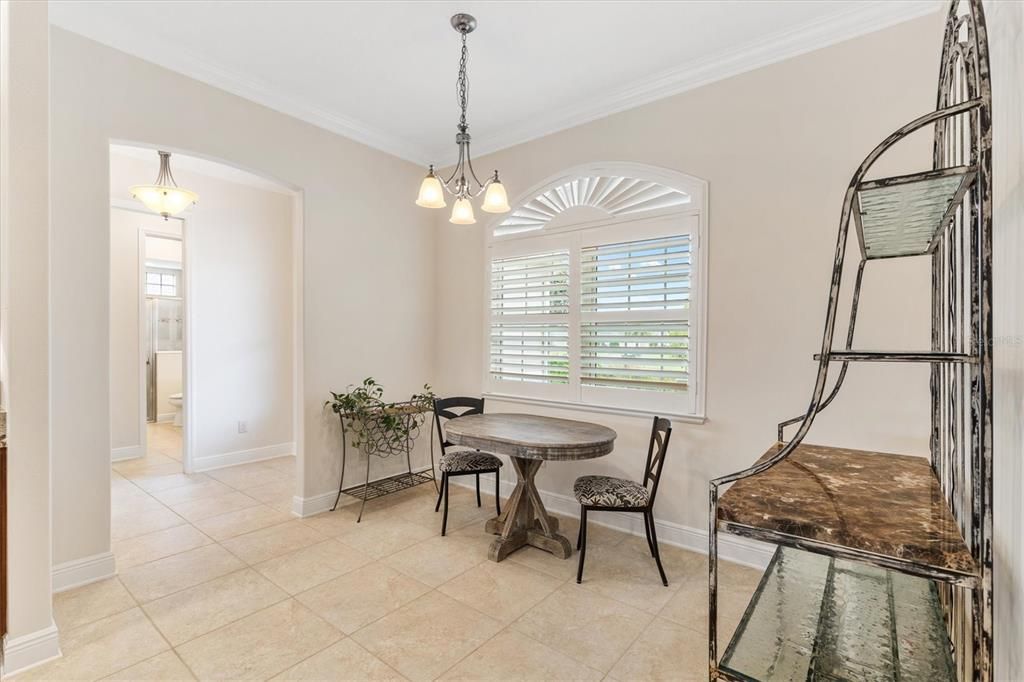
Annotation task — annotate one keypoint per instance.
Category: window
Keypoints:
(161, 282)
(530, 318)
(599, 313)
(634, 304)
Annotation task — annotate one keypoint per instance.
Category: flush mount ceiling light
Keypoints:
(433, 189)
(164, 196)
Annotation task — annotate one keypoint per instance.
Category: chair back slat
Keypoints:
(661, 432)
(450, 408)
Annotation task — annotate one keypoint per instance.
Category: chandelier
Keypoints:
(433, 189)
(164, 196)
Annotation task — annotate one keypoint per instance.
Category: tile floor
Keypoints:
(218, 581)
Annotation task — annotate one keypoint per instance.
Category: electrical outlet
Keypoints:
(243, 426)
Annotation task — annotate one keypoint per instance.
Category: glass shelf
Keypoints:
(819, 618)
(904, 216)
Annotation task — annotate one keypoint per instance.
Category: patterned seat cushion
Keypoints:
(468, 460)
(608, 491)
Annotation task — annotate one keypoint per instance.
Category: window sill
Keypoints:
(603, 409)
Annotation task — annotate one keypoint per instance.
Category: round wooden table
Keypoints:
(529, 440)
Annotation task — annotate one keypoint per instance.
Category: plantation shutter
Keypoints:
(634, 314)
(529, 339)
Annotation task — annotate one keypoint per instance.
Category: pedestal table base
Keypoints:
(524, 521)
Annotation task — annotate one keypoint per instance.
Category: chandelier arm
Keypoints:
(164, 178)
(459, 167)
(481, 185)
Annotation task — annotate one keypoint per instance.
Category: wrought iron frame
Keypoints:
(960, 357)
(411, 411)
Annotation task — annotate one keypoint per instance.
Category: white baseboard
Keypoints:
(317, 504)
(80, 572)
(227, 459)
(731, 548)
(165, 417)
(28, 651)
(127, 452)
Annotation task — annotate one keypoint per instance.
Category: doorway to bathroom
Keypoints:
(148, 338)
(211, 377)
(163, 340)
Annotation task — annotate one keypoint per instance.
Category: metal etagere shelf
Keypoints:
(377, 444)
(884, 562)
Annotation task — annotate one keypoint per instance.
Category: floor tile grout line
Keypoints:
(412, 601)
(505, 627)
(317, 653)
(271, 605)
(158, 631)
(632, 642)
(167, 556)
(108, 615)
(385, 663)
(553, 648)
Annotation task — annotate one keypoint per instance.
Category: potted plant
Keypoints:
(379, 427)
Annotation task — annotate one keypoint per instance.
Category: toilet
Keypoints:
(175, 400)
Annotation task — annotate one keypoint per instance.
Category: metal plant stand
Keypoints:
(377, 444)
(939, 525)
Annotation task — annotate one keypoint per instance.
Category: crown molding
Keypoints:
(861, 19)
(801, 39)
(163, 53)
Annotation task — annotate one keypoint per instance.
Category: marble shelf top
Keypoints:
(888, 505)
(531, 436)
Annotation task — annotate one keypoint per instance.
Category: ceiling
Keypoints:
(384, 73)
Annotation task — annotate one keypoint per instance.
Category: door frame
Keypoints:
(186, 345)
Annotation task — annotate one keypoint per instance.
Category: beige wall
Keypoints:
(24, 307)
(777, 147)
(241, 312)
(354, 232)
(1006, 44)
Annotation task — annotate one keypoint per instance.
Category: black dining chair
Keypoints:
(462, 462)
(607, 493)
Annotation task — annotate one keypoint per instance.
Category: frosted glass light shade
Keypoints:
(164, 199)
(496, 199)
(431, 193)
(462, 213)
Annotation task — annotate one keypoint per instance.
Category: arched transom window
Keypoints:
(616, 195)
(597, 292)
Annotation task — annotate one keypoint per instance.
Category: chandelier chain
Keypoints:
(462, 85)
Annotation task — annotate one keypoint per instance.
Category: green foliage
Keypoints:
(380, 427)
